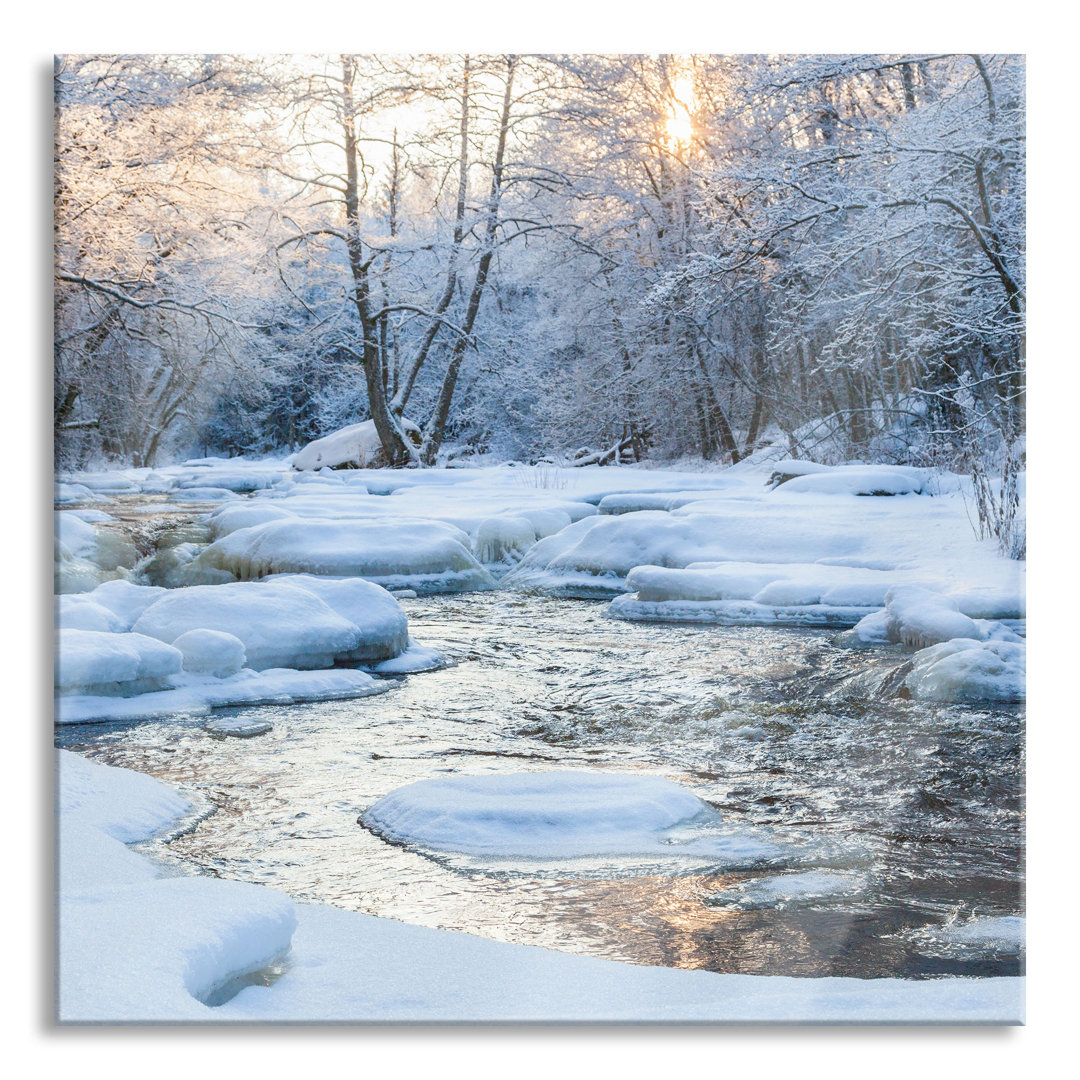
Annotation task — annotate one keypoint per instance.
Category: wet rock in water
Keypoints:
(237, 727)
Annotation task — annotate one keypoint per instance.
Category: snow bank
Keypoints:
(427, 556)
(280, 624)
(112, 664)
(559, 815)
(965, 669)
(137, 947)
(415, 659)
(766, 593)
(858, 480)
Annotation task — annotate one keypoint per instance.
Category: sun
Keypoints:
(679, 123)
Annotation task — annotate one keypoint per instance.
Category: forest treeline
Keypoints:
(529, 256)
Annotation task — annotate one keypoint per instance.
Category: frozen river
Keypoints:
(893, 819)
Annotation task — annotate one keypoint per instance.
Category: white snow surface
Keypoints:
(561, 815)
(383, 624)
(196, 695)
(210, 652)
(425, 555)
(136, 946)
(279, 623)
(357, 444)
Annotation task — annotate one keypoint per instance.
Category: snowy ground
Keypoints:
(265, 603)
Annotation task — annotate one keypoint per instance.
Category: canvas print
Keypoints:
(540, 538)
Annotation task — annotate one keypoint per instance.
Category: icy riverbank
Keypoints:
(137, 946)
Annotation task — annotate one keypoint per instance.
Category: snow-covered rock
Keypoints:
(555, 815)
(210, 652)
(233, 516)
(917, 617)
(110, 664)
(383, 624)
(125, 599)
(858, 480)
(965, 669)
(428, 556)
(80, 612)
(280, 624)
(357, 446)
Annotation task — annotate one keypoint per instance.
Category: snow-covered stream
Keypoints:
(897, 820)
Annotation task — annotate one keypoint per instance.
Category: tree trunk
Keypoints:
(436, 428)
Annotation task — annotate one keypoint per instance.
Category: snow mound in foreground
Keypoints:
(96, 662)
(427, 556)
(78, 612)
(557, 815)
(966, 669)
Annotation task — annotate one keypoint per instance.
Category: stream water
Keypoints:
(916, 808)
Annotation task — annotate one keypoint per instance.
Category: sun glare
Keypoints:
(680, 120)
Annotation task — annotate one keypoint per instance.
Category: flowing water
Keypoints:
(916, 810)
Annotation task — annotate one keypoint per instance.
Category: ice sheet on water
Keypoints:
(785, 890)
(197, 695)
(557, 815)
(415, 659)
